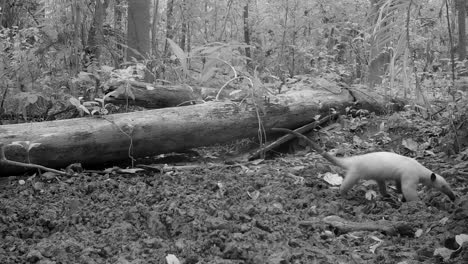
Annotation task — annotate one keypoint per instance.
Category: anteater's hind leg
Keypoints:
(398, 185)
(383, 188)
(351, 178)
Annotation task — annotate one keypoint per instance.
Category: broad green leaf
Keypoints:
(32, 98)
(84, 109)
(100, 100)
(74, 102)
(207, 74)
(129, 92)
(208, 71)
(180, 54)
(90, 103)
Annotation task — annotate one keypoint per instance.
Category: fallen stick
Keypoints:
(342, 226)
(5, 161)
(260, 152)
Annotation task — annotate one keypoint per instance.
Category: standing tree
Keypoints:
(247, 34)
(184, 30)
(96, 36)
(138, 29)
(119, 26)
(461, 6)
(138, 32)
(154, 28)
(169, 25)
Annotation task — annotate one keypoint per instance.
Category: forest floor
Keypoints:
(263, 211)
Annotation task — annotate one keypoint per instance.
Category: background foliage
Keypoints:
(59, 49)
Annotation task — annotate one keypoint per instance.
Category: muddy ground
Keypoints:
(266, 211)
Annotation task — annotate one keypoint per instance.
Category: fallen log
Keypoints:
(149, 96)
(97, 140)
(161, 96)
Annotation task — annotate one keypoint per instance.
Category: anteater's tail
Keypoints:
(334, 160)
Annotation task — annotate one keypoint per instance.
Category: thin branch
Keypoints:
(5, 161)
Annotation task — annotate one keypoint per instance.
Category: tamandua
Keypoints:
(380, 167)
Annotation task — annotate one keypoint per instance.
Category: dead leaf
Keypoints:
(253, 195)
(461, 239)
(333, 179)
(371, 195)
(410, 144)
(443, 252)
(131, 171)
(49, 175)
(443, 221)
(374, 247)
(418, 232)
(172, 259)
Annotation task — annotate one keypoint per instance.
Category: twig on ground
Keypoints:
(5, 161)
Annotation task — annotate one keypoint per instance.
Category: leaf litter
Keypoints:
(282, 210)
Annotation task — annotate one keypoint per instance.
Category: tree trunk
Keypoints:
(96, 38)
(461, 29)
(138, 32)
(75, 47)
(119, 27)
(138, 29)
(281, 57)
(247, 35)
(185, 18)
(169, 25)
(189, 38)
(93, 141)
(205, 21)
(377, 60)
(154, 28)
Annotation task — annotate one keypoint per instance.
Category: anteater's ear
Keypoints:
(433, 177)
